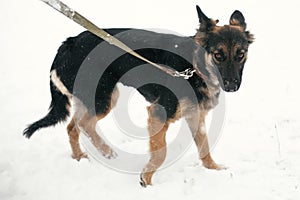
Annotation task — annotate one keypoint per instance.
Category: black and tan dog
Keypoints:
(217, 52)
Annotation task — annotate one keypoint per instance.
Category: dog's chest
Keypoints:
(211, 97)
(210, 100)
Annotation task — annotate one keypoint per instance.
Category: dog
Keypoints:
(217, 53)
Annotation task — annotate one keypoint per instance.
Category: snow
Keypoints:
(260, 138)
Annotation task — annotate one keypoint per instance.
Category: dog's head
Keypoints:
(227, 46)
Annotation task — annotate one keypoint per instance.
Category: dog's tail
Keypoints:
(58, 112)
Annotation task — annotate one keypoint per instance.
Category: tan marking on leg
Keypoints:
(88, 124)
(158, 149)
(113, 101)
(74, 141)
(199, 133)
(114, 98)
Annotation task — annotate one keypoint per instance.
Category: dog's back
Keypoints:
(160, 48)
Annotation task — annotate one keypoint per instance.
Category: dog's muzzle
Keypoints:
(231, 85)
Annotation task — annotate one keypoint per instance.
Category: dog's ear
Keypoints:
(237, 19)
(206, 24)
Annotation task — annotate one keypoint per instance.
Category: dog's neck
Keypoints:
(207, 68)
(204, 65)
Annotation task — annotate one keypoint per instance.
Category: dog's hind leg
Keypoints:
(197, 127)
(157, 131)
(73, 133)
(87, 124)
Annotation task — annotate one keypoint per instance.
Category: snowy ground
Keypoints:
(259, 143)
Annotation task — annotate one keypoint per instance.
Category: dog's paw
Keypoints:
(145, 179)
(222, 167)
(107, 152)
(143, 182)
(78, 157)
(209, 163)
(215, 166)
(110, 155)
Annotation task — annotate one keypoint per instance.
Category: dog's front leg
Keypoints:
(198, 129)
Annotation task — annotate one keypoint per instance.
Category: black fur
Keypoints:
(74, 50)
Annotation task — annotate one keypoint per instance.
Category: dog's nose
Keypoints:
(231, 85)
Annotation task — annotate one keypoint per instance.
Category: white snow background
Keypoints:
(260, 142)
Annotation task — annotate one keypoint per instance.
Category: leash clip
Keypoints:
(186, 74)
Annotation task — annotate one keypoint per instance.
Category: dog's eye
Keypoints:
(241, 55)
(218, 56)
